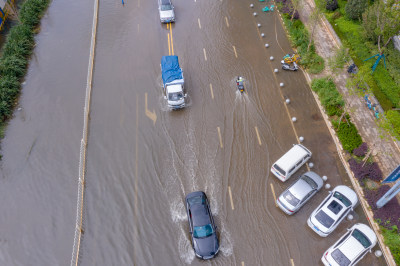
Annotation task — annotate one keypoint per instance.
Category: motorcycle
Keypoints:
(286, 66)
(240, 84)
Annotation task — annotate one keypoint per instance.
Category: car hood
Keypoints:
(206, 246)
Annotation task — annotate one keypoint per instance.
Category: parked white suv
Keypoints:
(166, 10)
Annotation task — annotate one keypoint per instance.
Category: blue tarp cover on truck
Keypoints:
(170, 68)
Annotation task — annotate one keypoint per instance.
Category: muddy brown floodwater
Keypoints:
(138, 172)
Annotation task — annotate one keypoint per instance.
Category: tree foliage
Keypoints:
(381, 22)
(355, 8)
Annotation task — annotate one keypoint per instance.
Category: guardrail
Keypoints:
(82, 157)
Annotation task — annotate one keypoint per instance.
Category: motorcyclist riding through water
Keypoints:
(240, 84)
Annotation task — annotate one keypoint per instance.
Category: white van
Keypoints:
(290, 162)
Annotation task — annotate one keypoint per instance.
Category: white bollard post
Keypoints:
(276, 70)
(266, 45)
(294, 119)
(327, 186)
(301, 139)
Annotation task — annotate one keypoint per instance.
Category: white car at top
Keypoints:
(333, 209)
(351, 247)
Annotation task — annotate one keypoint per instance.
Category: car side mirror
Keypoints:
(330, 192)
(185, 95)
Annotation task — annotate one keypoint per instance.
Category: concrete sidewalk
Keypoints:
(385, 149)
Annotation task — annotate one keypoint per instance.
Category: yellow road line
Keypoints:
(242, 263)
(199, 22)
(169, 45)
(167, 26)
(258, 136)
(212, 92)
(172, 40)
(234, 49)
(230, 196)
(273, 193)
(136, 156)
(226, 21)
(220, 138)
(291, 260)
(205, 54)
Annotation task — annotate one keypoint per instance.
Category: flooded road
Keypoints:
(139, 169)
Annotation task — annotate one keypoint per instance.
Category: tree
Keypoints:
(381, 22)
(355, 8)
(336, 62)
(295, 7)
(314, 18)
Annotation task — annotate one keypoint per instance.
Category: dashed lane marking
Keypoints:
(205, 54)
(199, 22)
(273, 193)
(212, 92)
(172, 39)
(226, 21)
(234, 49)
(291, 260)
(220, 138)
(242, 263)
(230, 196)
(258, 136)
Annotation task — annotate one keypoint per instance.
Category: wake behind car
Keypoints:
(351, 247)
(296, 195)
(333, 209)
(201, 225)
(166, 10)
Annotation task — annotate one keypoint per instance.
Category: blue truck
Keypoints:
(173, 82)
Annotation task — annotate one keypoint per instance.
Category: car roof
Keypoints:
(314, 176)
(165, 2)
(200, 215)
(290, 157)
(300, 189)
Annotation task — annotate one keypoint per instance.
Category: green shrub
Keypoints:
(387, 85)
(392, 123)
(347, 134)
(392, 240)
(355, 8)
(15, 54)
(329, 96)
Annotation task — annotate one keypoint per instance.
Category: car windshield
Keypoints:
(279, 169)
(361, 238)
(175, 96)
(289, 197)
(166, 7)
(342, 198)
(309, 181)
(335, 207)
(340, 258)
(324, 219)
(203, 231)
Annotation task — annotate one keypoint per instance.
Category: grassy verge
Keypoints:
(15, 56)
(299, 38)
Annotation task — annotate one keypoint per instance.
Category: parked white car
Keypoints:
(166, 10)
(328, 215)
(351, 247)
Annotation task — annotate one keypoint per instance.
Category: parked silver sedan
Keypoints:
(295, 196)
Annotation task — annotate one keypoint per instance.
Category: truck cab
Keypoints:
(166, 10)
(175, 96)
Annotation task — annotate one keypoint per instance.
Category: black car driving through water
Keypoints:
(201, 225)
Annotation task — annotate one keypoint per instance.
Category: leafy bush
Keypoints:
(15, 54)
(392, 123)
(331, 5)
(361, 150)
(392, 240)
(347, 134)
(330, 98)
(369, 170)
(286, 7)
(355, 8)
